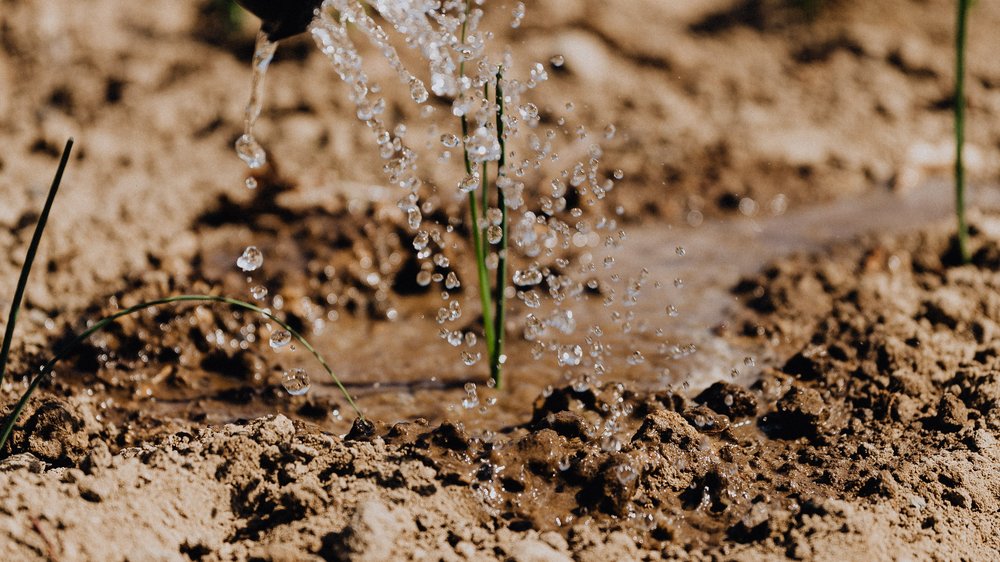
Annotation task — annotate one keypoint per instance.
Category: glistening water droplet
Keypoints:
(250, 260)
(258, 292)
(280, 338)
(296, 382)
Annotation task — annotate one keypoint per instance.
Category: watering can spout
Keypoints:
(282, 18)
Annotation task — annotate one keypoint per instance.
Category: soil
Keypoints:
(861, 425)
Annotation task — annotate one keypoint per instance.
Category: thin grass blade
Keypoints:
(29, 260)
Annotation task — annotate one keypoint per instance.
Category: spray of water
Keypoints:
(559, 242)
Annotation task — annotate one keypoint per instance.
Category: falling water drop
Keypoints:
(280, 338)
(296, 382)
(417, 91)
(250, 151)
(413, 217)
(526, 277)
(494, 234)
(258, 292)
(250, 260)
(570, 355)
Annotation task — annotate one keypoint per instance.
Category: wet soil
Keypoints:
(840, 405)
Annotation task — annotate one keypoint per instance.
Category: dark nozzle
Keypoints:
(282, 18)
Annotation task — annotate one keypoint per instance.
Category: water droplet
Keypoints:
(424, 278)
(518, 13)
(609, 131)
(557, 60)
(526, 277)
(250, 151)
(471, 399)
(470, 359)
(565, 463)
(250, 260)
(680, 250)
(531, 299)
(280, 338)
(449, 140)
(296, 382)
(469, 183)
(672, 311)
(421, 240)
(413, 217)
(251, 182)
(618, 174)
(494, 234)
(569, 355)
(417, 91)
(452, 282)
(258, 292)
(636, 358)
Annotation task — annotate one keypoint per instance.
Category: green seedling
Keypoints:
(492, 301)
(101, 324)
(959, 107)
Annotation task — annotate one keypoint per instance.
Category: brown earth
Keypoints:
(872, 436)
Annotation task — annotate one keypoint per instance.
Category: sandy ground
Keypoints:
(869, 432)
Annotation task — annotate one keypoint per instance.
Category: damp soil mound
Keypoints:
(874, 438)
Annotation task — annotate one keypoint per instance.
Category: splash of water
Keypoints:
(559, 240)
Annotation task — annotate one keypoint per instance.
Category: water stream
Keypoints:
(247, 146)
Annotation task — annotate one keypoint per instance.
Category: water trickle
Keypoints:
(296, 382)
(250, 260)
(247, 147)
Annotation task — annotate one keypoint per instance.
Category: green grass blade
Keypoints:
(29, 259)
(959, 107)
(496, 359)
(477, 234)
(104, 322)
